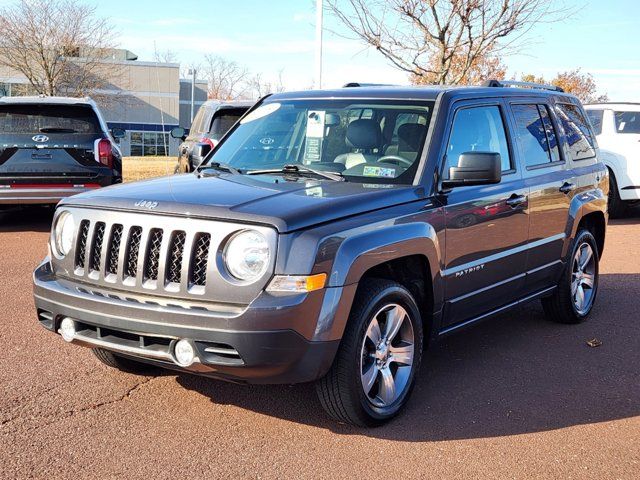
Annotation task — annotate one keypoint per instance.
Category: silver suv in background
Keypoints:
(617, 129)
(213, 120)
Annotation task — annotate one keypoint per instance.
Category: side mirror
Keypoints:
(118, 132)
(178, 132)
(475, 168)
(199, 152)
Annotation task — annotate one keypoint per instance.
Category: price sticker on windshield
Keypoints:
(315, 136)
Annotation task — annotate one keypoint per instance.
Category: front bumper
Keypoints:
(231, 343)
(38, 195)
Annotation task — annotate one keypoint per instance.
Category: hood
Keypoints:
(286, 202)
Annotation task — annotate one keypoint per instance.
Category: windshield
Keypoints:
(370, 141)
(38, 118)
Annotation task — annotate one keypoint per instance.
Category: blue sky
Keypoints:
(602, 38)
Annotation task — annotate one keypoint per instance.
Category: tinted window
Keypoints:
(595, 116)
(50, 119)
(536, 135)
(477, 129)
(627, 122)
(577, 132)
(225, 119)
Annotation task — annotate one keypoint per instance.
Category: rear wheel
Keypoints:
(573, 299)
(374, 370)
(123, 364)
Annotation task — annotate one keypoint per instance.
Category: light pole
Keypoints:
(192, 72)
(319, 8)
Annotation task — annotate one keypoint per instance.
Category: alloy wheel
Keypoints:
(387, 355)
(583, 278)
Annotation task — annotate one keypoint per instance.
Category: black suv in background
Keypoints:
(331, 235)
(54, 147)
(213, 120)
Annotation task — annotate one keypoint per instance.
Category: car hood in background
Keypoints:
(287, 202)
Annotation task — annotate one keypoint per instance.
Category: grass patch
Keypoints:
(140, 168)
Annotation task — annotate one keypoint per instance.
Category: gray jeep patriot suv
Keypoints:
(332, 235)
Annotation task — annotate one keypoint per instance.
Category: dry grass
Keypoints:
(140, 168)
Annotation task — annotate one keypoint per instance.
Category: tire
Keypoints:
(616, 207)
(124, 364)
(342, 392)
(564, 305)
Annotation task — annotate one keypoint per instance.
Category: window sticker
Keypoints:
(315, 136)
(371, 171)
(260, 112)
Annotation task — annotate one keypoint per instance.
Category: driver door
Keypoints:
(487, 226)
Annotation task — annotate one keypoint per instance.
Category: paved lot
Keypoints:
(517, 397)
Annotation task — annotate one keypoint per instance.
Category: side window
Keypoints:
(627, 122)
(536, 135)
(595, 116)
(577, 131)
(477, 129)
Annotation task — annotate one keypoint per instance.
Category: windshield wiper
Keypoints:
(57, 130)
(300, 169)
(223, 167)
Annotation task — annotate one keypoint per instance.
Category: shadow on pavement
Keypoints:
(26, 219)
(517, 373)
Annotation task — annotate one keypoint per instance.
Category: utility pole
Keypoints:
(319, 8)
(192, 72)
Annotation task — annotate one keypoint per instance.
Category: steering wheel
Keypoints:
(401, 162)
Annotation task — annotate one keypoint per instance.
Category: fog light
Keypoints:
(67, 329)
(184, 353)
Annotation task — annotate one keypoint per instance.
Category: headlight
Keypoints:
(246, 255)
(63, 232)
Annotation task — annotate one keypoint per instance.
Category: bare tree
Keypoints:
(258, 87)
(60, 46)
(165, 56)
(227, 79)
(440, 41)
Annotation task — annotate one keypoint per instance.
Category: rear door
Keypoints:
(486, 226)
(50, 144)
(552, 184)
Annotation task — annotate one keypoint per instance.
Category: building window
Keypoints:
(149, 143)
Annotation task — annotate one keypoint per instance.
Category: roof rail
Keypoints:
(358, 84)
(513, 83)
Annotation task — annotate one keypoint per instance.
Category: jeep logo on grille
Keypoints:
(40, 138)
(146, 204)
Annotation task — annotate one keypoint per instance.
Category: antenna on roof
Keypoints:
(513, 83)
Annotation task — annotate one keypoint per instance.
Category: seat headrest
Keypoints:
(364, 134)
(411, 137)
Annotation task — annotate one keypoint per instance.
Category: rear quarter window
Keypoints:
(627, 122)
(32, 119)
(577, 131)
(595, 117)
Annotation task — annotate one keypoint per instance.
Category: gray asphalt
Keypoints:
(516, 397)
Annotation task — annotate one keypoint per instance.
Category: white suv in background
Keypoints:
(617, 128)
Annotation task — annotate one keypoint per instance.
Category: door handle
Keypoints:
(567, 187)
(516, 200)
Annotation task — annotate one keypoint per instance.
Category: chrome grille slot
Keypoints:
(152, 262)
(81, 245)
(174, 258)
(114, 249)
(96, 247)
(133, 251)
(167, 258)
(199, 259)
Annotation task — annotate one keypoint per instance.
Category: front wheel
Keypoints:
(576, 292)
(374, 370)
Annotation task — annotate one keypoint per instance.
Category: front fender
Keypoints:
(365, 250)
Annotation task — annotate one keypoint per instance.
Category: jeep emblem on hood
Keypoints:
(146, 204)
(40, 138)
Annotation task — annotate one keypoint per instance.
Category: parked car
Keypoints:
(617, 128)
(213, 120)
(321, 240)
(54, 147)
